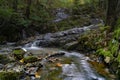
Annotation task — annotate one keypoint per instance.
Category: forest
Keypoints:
(59, 40)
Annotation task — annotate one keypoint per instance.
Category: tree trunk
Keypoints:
(111, 14)
(15, 4)
(28, 9)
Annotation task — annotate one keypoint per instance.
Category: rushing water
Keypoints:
(79, 69)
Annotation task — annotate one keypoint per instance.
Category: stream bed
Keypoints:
(71, 66)
(53, 64)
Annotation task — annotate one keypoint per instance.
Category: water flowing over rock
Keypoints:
(59, 38)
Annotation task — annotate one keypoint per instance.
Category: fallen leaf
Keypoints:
(59, 65)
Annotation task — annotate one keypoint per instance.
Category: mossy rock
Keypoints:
(30, 59)
(9, 75)
(4, 59)
(18, 54)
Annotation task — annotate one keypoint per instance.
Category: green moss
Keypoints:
(9, 75)
(113, 46)
(18, 54)
(30, 59)
(18, 51)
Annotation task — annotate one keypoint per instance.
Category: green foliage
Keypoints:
(117, 33)
(9, 75)
(5, 13)
(104, 52)
(93, 40)
(23, 22)
(113, 46)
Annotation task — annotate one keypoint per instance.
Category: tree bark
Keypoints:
(28, 9)
(111, 14)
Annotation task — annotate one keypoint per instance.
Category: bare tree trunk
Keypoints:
(111, 14)
(28, 8)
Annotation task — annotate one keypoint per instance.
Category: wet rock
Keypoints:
(18, 68)
(1, 66)
(57, 54)
(10, 66)
(28, 54)
(95, 21)
(60, 38)
(52, 59)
